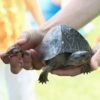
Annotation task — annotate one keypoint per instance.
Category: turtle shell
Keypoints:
(61, 39)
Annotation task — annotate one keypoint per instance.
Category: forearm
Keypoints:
(76, 14)
(33, 7)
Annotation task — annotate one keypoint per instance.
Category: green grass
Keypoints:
(81, 87)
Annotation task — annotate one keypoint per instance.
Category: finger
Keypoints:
(33, 53)
(27, 59)
(94, 63)
(95, 60)
(31, 60)
(36, 61)
(15, 65)
(2, 54)
(21, 41)
(4, 58)
(24, 44)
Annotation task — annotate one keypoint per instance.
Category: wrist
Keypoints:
(45, 28)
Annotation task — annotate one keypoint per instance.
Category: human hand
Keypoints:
(95, 60)
(29, 60)
(67, 72)
(29, 39)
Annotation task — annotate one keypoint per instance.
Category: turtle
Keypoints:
(64, 47)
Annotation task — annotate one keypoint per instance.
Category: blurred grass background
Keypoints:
(81, 87)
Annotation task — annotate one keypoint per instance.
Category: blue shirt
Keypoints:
(48, 8)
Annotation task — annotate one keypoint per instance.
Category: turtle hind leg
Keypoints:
(86, 69)
(43, 78)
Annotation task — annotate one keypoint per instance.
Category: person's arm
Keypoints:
(33, 7)
(76, 14)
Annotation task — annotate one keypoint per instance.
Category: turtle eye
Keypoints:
(85, 54)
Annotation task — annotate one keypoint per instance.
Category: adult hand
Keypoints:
(26, 41)
(95, 60)
(29, 39)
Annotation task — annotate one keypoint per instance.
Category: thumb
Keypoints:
(95, 60)
(21, 42)
(94, 63)
(2, 54)
(4, 57)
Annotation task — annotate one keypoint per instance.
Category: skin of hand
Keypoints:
(28, 61)
(30, 39)
(27, 40)
(95, 60)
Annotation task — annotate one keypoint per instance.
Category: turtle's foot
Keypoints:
(86, 69)
(43, 78)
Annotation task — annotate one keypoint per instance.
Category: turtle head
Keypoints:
(80, 57)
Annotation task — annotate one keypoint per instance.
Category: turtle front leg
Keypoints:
(43, 78)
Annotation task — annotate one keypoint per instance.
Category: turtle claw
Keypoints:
(86, 69)
(43, 78)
